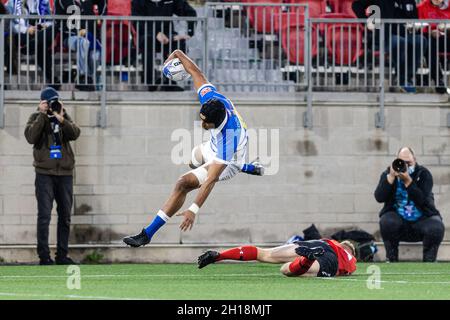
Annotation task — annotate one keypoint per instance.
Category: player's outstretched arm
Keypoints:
(197, 75)
(214, 171)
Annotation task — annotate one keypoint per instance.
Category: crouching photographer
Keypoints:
(409, 213)
(49, 130)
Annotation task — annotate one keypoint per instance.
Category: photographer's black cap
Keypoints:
(49, 94)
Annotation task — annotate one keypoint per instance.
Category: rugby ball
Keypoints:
(174, 70)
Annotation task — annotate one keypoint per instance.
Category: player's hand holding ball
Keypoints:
(188, 222)
(174, 70)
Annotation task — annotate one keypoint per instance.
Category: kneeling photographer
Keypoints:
(409, 213)
(49, 130)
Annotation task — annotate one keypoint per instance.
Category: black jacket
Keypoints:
(38, 132)
(389, 9)
(420, 192)
(86, 8)
(164, 8)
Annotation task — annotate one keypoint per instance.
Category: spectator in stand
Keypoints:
(400, 41)
(438, 38)
(10, 44)
(83, 40)
(34, 36)
(167, 39)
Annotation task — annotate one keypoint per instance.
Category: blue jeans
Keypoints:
(87, 60)
(406, 55)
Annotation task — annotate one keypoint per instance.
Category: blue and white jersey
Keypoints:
(231, 135)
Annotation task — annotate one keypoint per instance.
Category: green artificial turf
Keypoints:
(222, 281)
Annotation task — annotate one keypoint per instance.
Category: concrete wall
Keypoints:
(124, 172)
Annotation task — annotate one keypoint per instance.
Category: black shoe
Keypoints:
(310, 253)
(65, 261)
(46, 262)
(441, 88)
(152, 88)
(138, 240)
(392, 259)
(206, 258)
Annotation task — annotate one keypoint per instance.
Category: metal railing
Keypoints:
(241, 47)
(394, 55)
(252, 45)
(349, 48)
(123, 42)
(101, 54)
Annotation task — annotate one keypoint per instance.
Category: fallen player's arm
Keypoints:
(197, 75)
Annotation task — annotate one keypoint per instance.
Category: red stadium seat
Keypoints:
(262, 17)
(323, 26)
(343, 6)
(293, 43)
(316, 7)
(289, 19)
(119, 8)
(344, 42)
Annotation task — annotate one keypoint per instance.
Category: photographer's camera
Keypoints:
(399, 165)
(54, 106)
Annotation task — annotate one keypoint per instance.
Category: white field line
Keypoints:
(234, 275)
(64, 296)
(144, 275)
(387, 281)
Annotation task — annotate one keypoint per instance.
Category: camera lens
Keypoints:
(55, 105)
(399, 165)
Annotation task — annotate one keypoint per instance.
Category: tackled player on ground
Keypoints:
(316, 258)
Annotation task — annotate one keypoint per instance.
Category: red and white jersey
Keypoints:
(346, 261)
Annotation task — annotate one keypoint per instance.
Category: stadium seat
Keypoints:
(119, 8)
(343, 6)
(333, 15)
(316, 7)
(262, 17)
(344, 42)
(289, 19)
(293, 43)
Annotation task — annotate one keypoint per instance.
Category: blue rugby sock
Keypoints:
(248, 168)
(160, 220)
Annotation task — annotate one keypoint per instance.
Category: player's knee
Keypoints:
(185, 184)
